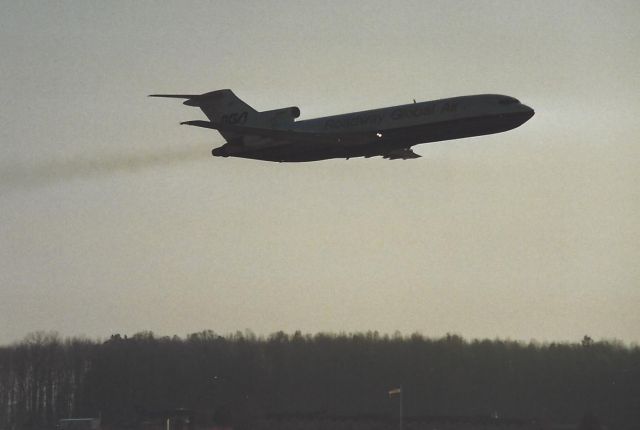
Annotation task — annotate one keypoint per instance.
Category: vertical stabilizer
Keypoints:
(223, 106)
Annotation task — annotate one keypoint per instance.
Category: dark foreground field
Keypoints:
(319, 382)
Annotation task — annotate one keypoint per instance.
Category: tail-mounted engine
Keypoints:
(278, 117)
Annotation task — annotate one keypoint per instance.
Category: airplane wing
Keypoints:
(290, 135)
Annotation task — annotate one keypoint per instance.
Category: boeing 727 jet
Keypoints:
(390, 132)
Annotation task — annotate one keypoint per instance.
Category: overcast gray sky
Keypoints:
(115, 219)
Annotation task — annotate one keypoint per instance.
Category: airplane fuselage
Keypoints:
(398, 127)
(389, 132)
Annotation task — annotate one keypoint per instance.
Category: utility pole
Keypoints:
(401, 406)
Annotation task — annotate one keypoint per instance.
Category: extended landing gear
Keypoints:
(403, 154)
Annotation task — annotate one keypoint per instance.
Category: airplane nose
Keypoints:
(530, 112)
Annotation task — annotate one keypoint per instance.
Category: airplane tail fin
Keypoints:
(224, 107)
(220, 106)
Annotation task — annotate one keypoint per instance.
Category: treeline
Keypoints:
(127, 380)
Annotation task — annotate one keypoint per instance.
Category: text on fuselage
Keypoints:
(402, 113)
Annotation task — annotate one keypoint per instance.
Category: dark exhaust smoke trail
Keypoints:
(39, 174)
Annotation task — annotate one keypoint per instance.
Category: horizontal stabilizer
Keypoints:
(199, 123)
(175, 96)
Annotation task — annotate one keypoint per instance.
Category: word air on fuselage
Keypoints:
(275, 135)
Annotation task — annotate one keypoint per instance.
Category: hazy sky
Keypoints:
(115, 219)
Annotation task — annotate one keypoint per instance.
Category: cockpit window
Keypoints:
(508, 101)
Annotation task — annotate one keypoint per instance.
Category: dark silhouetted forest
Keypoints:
(127, 380)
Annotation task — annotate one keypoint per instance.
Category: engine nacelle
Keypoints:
(279, 116)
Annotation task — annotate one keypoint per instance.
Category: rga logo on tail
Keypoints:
(235, 118)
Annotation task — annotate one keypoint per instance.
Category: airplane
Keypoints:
(390, 132)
